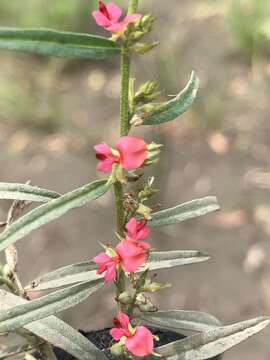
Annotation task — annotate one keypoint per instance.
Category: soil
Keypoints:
(103, 340)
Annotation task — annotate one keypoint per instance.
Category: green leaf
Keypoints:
(212, 342)
(56, 43)
(179, 320)
(67, 275)
(51, 211)
(58, 301)
(24, 192)
(169, 259)
(185, 211)
(177, 106)
(86, 271)
(55, 331)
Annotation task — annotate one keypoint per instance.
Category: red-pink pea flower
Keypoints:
(139, 340)
(136, 230)
(131, 152)
(128, 255)
(132, 255)
(108, 264)
(109, 17)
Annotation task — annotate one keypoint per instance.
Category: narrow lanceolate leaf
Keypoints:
(24, 192)
(177, 106)
(169, 259)
(87, 271)
(212, 342)
(56, 43)
(55, 331)
(21, 315)
(51, 211)
(67, 275)
(185, 211)
(179, 320)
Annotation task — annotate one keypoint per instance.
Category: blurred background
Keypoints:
(53, 111)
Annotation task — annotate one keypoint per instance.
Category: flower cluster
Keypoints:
(130, 254)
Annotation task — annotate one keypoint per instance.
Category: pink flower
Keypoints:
(137, 230)
(108, 16)
(133, 255)
(130, 153)
(130, 256)
(107, 264)
(139, 340)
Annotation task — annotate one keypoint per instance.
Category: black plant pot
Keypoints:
(103, 340)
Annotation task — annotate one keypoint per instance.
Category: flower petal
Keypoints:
(124, 320)
(131, 226)
(131, 18)
(118, 27)
(143, 234)
(103, 149)
(101, 258)
(105, 165)
(114, 11)
(133, 152)
(116, 333)
(110, 273)
(132, 255)
(141, 343)
(101, 20)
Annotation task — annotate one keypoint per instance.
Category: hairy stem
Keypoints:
(118, 194)
(124, 103)
(133, 6)
(124, 130)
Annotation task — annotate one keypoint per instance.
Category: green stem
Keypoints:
(124, 103)
(118, 194)
(124, 130)
(133, 6)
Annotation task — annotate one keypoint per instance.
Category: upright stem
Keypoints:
(124, 103)
(124, 130)
(118, 194)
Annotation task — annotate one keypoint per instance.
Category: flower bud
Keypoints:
(125, 298)
(153, 152)
(117, 349)
(142, 48)
(145, 211)
(149, 109)
(136, 35)
(136, 120)
(146, 193)
(147, 92)
(154, 286)
(146, 23)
